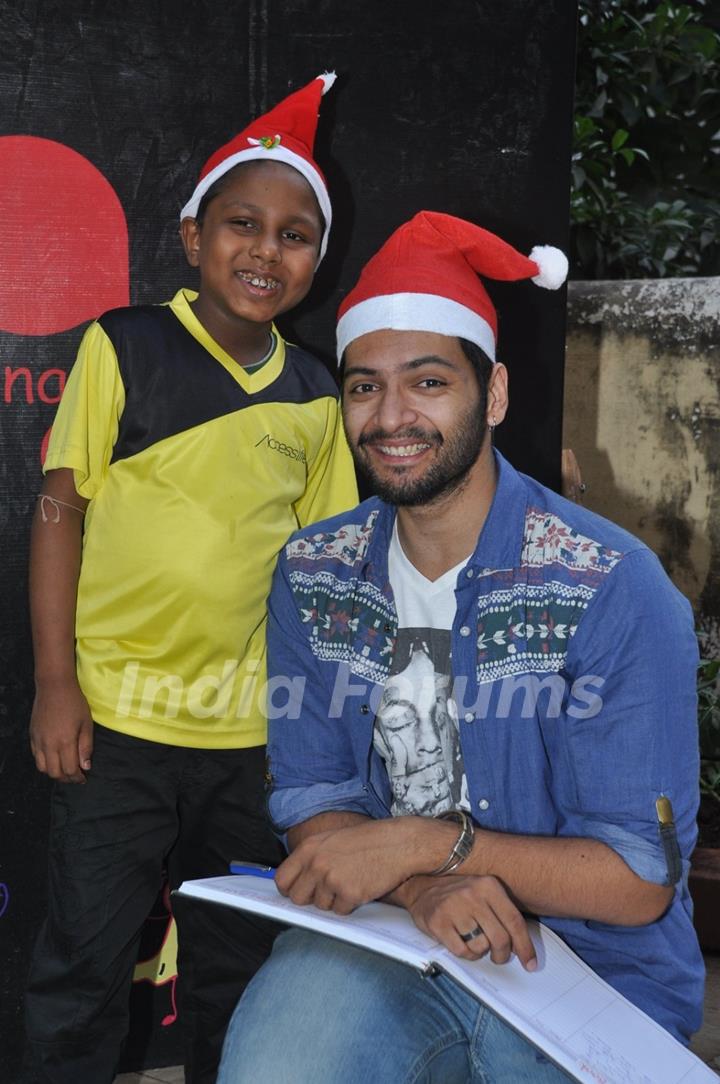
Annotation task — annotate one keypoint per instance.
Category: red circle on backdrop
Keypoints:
(65, 252)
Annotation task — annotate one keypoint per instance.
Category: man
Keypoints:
(559, 778)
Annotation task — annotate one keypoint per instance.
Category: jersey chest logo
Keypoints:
(284, 449)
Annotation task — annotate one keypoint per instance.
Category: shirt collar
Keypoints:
(250, 381)
(500, 542)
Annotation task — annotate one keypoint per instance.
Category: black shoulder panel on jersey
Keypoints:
(303, 378)
(173, 384)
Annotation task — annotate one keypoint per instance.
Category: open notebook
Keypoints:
(571, 1014)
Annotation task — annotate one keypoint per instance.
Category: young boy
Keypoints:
(192, 440)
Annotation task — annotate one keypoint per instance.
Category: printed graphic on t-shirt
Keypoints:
(416, 727)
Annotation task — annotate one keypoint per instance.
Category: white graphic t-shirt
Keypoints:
(416, 727)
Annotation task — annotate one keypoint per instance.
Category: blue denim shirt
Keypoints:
(574, 660)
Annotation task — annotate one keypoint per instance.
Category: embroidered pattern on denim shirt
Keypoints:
(348, 544)
(525, 621)
(549, 541)
(525, 628)
(347, 622)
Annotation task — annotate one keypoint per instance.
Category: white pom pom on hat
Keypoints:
(285, 134)
(553, 265)
(425, 278)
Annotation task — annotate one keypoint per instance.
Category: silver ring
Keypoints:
(582, 488)
(475, 932)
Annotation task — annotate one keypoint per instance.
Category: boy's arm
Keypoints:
(61, 727)
(80, 449)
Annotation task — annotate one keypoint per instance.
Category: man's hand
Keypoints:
(447, 907)
(61, 732)
(339, 869)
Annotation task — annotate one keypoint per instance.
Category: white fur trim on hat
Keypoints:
(414, 312)
(553, 266)
(276, 154)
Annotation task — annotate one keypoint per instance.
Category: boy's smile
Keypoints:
(256, 248)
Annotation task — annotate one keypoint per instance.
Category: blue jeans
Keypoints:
(323, 1012)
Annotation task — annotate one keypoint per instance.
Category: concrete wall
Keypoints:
(642, 413)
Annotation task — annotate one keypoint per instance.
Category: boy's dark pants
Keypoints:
(144, 803)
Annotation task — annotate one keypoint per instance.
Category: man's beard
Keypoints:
(456, 456)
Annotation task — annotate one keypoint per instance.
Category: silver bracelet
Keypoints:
(463, 843)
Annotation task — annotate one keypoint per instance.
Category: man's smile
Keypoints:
(406, 447)
(401, 450)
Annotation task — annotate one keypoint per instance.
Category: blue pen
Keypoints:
(252, 869)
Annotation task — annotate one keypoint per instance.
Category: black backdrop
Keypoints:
(460, 106)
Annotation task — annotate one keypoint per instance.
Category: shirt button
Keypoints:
(364, 709)
(387, 628)
(469, 717)
(483, 804)
(465, 631)
(469, 573)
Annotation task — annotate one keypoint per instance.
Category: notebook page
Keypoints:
(577, 1018)
(567, 1010)
(375, 926)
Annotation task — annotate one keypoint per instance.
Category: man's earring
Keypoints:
(492, 425)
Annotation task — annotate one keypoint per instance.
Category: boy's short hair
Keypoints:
(221, 184)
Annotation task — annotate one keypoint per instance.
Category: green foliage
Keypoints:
(709, 725)
(646, 158)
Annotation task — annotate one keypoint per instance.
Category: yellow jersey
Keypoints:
(197, 471)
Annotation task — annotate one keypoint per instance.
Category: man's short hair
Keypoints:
(481, 363)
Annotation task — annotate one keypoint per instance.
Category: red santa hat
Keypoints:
(425, 278)
(285, 134)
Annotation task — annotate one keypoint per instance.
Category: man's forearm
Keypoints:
(567, 878)
(323, 822)
(563, 877)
